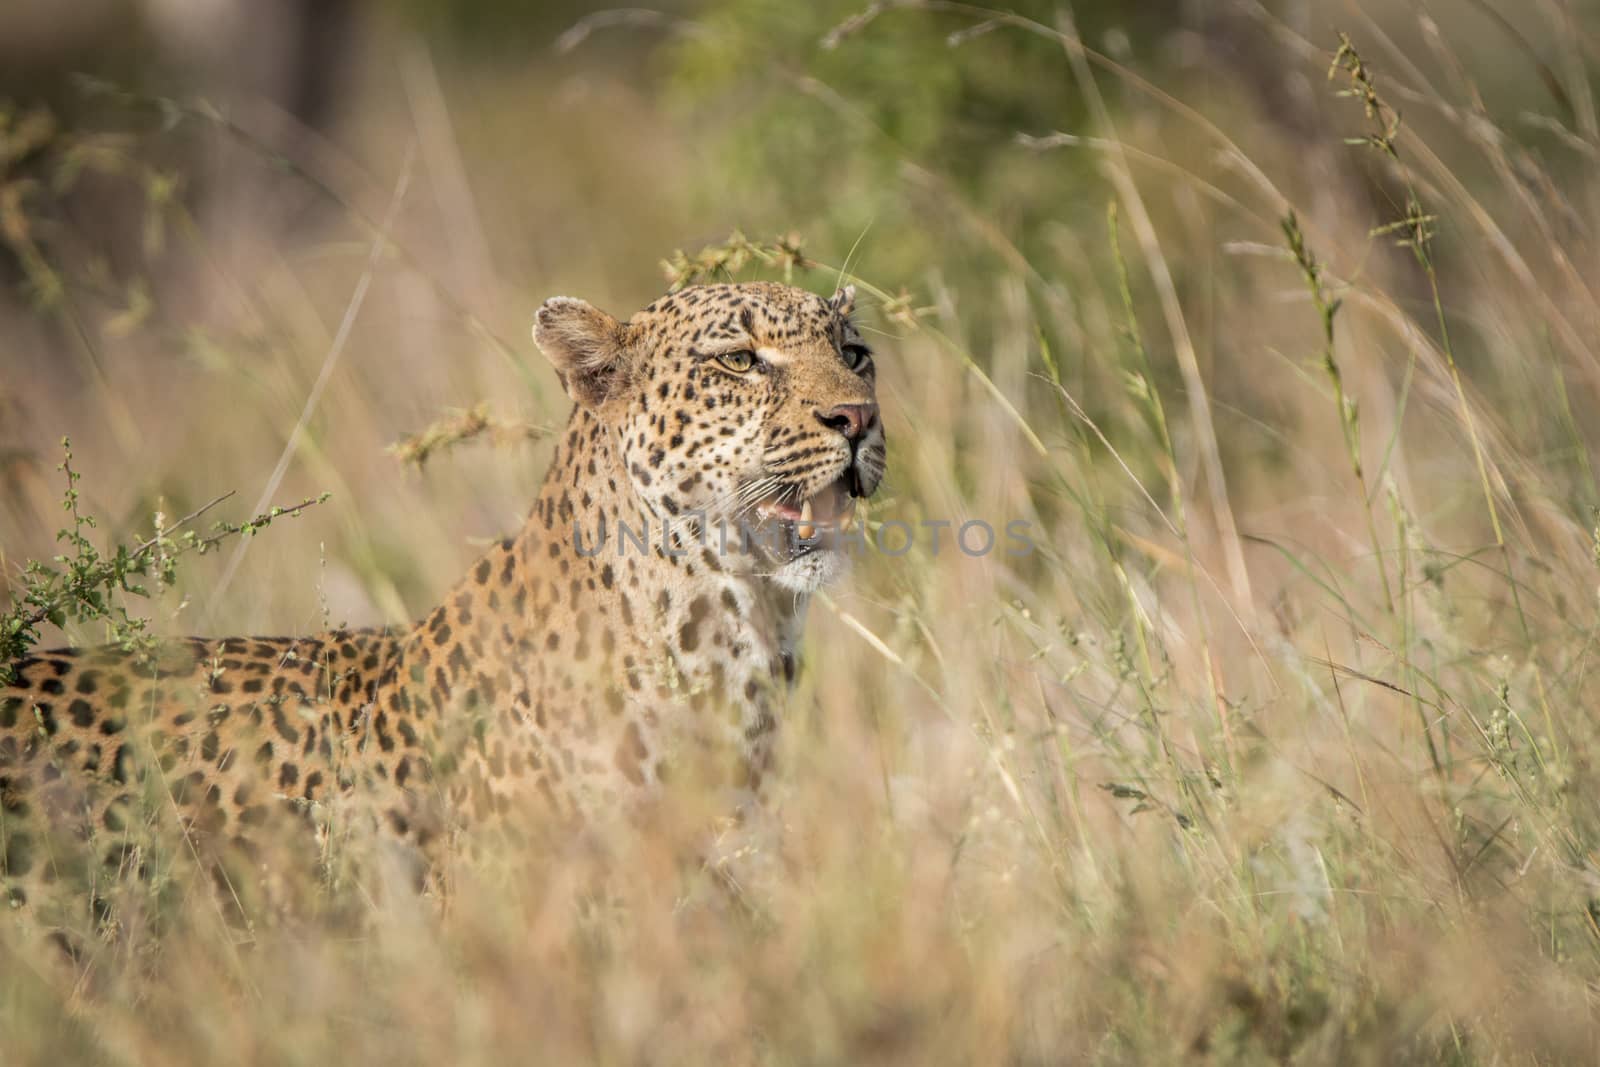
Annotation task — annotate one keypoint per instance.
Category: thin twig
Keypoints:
(335, 350)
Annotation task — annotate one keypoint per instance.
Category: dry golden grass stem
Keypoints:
(460, 426)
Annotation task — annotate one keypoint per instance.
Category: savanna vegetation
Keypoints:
(1275, 321)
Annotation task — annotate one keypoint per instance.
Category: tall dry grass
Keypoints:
(1279, 748)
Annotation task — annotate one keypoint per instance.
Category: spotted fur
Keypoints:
(561, 674)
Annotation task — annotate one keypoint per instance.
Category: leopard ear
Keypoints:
(843, 302)
(584, 344)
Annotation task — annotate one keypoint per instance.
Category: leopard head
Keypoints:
(749, 408)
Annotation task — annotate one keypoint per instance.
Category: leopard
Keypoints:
(644, 624)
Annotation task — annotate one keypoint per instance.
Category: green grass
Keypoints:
(1281, 746)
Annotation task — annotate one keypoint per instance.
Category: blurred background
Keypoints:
(1281, 748)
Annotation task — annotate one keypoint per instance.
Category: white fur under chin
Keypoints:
(812, 571)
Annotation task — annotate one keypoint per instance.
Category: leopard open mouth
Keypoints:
(812, 521)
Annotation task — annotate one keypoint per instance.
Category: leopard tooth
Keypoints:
(847, 516)
(805, 528)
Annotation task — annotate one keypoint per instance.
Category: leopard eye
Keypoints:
(738, 361)
(856, 356)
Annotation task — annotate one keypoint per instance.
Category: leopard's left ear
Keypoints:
(586, 346)
(844, 301)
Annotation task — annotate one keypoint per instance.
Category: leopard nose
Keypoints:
(852, 420)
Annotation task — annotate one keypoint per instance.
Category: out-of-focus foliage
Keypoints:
(837, 118)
